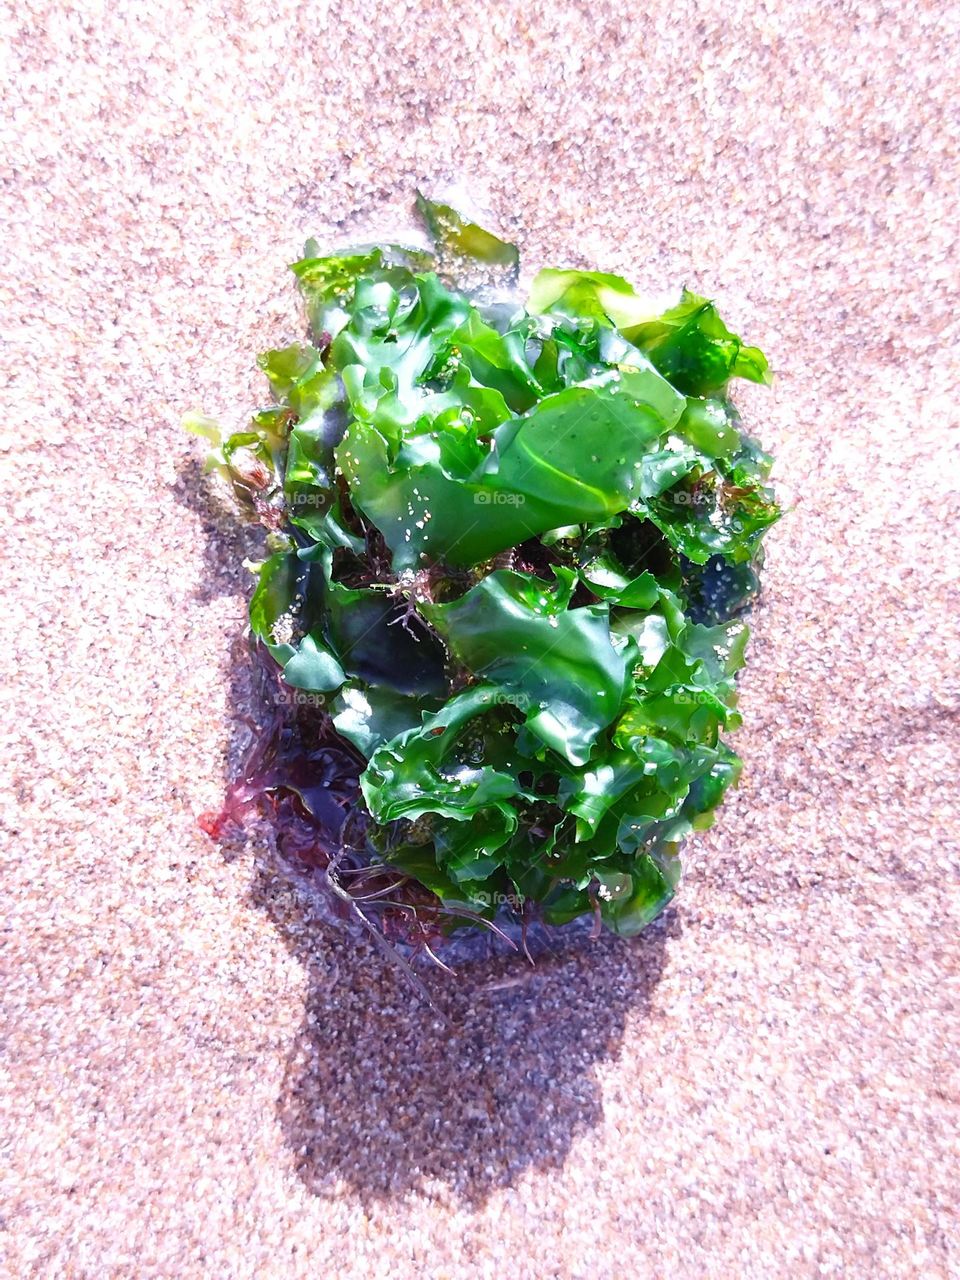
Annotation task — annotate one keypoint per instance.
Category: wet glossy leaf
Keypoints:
(368, 715)
(459, 237)
(558, 664)
(593, 295)
(430, 770)
(694, 349)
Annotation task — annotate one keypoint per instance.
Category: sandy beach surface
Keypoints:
(200, 1078)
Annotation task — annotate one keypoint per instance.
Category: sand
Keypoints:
(201, 1079)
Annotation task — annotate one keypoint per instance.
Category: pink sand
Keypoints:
(199, 1081)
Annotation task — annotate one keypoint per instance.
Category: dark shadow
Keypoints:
(387, 1094)
(386, 1091)
(227, 539)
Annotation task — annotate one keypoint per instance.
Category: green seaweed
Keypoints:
(499, 531)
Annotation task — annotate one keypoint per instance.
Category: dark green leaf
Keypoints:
(558, 664)
(369, 716)
(694, 349)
